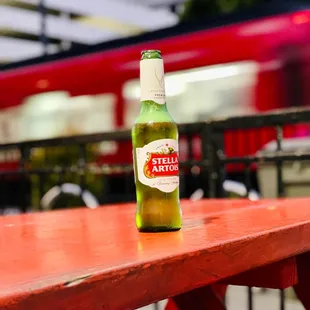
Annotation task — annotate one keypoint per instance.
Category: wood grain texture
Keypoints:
(96, 259)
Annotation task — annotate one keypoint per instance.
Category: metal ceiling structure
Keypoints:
(31, 28)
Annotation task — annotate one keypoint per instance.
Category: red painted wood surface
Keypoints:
(205, 297)
(302, 287)
(209, 297)
(279, 275)
(96, 259)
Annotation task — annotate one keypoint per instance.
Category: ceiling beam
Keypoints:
(126, 12)
(56, 27)
(17, 49)
(154, 3)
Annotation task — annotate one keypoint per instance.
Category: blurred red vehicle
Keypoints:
(213, 70)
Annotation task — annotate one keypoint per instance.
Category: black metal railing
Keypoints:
(45, 164)
(47, 170)
(276, 122)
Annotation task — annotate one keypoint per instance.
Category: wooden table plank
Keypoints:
(302, 287)
(96, 259)
(279, 275)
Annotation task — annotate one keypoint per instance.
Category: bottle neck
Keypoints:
(152, 83)
(153, 98)
(153, 112)
(150, 106)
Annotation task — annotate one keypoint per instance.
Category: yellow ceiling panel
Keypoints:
(112, 25)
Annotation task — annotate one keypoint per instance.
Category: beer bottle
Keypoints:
(155, 152)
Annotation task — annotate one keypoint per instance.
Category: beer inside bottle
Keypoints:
(155, 152)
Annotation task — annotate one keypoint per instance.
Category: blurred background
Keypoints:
(62, 58)
(71, 67)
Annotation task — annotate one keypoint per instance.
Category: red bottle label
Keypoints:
(162, 165)
(158, 164)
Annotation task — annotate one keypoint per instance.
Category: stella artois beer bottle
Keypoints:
(155, 152)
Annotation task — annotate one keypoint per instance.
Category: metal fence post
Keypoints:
(280, 189)
(24, 152)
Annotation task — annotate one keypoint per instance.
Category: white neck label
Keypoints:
(152, 80)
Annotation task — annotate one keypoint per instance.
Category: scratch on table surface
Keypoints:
(77, 280)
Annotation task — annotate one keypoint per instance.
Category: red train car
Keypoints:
(212, 70)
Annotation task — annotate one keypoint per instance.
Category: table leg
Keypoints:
(302, 288)
(204, 298)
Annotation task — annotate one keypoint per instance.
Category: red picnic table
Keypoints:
(96, 259)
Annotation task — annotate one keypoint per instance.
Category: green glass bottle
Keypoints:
(155, 152)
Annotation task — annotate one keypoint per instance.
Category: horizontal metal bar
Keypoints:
(289, 116)
(119, 135)
(274, 157)
(96, 169)
(267, 119)
(81, 139)
(191, 128)
(72, 169)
